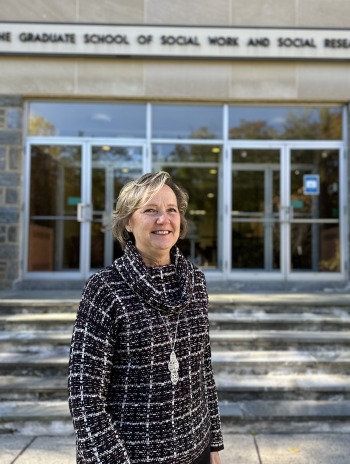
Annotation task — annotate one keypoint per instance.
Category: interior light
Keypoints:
(216, 149)
(210, 195)
(125, 170)
(198, 212)
(101, 117)
(297, 172)
(243, 154)
(106, 148)
(324, 154)
(213, 171)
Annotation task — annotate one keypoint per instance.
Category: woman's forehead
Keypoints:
(165, 193)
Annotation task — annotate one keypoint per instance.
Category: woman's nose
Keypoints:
(162, 217)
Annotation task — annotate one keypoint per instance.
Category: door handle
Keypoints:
(84, 212)
(286, 214)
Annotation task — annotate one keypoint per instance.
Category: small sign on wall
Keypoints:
(311, 184)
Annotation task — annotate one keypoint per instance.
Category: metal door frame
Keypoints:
(84, 270)
(88, 186)
(343, 224)
(285, 272)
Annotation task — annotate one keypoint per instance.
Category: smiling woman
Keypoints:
(141, 382)
(156, 227)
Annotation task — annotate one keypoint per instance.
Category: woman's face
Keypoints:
(156, 227)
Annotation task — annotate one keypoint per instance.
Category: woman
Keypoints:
(141, 387)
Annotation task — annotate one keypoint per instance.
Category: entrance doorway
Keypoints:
(287, 212)
(72, 193)
(267, 210)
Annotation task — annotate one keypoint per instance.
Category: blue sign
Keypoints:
(311, 184)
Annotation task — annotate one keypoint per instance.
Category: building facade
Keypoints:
(244, 103)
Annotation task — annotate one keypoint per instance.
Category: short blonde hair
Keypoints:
(136, 193)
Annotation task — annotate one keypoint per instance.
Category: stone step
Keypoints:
(273, 416)
(229, 386)
(231, 362)
(29, 387)
(33, 418)
(263, 339)
(227, 339)
(256, 320)
(36, 338)
(226, 320)
(294, 301)
(57, 301)
(32, 321)
(280, 383)
(38, 305)
(292, 386)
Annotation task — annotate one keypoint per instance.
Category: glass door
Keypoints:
(72, 189)
(314, 214)
(112, 166)
(287, 207)
(54, 233)
(255, 220)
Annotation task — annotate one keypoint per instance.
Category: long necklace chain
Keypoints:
(173, 364)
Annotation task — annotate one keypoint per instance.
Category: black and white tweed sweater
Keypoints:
(124, 407)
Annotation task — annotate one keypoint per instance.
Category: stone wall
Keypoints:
(10, 188)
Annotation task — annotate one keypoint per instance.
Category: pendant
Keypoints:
(173, 366)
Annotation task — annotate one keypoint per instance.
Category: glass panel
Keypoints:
(54, 233)
(315, 239)
(255, 209)
(195, 167)
(287, 123)
(87, 119)
(187, 121)
(112, 167)
(315, 247)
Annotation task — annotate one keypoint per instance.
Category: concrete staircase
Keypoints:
(281, 362)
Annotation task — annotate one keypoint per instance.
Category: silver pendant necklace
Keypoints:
(173, 363)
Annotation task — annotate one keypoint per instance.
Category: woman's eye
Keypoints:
(150, 210)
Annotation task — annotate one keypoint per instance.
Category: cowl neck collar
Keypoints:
(140, 279)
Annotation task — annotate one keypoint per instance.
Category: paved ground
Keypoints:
(240, 449)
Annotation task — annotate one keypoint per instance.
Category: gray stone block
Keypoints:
(9, 215)
(53, 450)
(239, 449)
(12, 234)
(11, 196)
(15, 157)
(2, 158)
(8, 251)
(10, 179)
(11, 447)
(12, 272)
(10, 100)
(14, 118)
(304, 449)
(9, 137)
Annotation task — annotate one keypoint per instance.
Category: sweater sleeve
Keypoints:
(217, 443)
(212, 399)
(90, 362)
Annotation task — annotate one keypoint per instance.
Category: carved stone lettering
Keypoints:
(179, 40)
(224, 41)
(298, 42)
(118, 39)
(260, 42)
(337, 43)
(5, 36)
(47, 38)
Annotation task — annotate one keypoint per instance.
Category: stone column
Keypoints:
(10, 188)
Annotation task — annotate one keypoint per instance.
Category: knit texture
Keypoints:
(124, 407)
